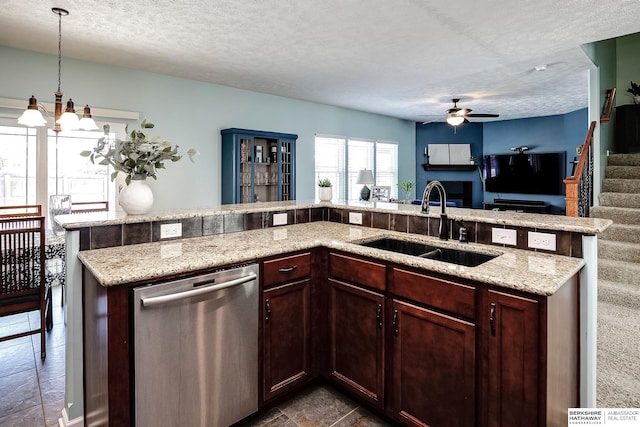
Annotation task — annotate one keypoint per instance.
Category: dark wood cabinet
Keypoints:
(433, 376)
(356, 329)
(286, 325)
(627, 132)
(513, 360)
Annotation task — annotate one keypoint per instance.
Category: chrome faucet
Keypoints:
(443, 229)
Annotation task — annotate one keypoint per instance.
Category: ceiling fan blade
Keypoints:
(483, 115)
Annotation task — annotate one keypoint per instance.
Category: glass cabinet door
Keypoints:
(257, 166)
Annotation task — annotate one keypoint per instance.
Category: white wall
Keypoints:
(191, 114)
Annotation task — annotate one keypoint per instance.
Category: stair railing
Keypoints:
(579, 186)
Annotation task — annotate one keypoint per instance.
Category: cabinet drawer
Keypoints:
(359, 271)
(285, 269)
(438, 293)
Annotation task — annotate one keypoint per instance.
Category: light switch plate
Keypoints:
(355, 218)
(280, 219)
(544, 241)
(169, 231)
(504, 236)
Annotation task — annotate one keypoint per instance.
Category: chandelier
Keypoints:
(68, 120)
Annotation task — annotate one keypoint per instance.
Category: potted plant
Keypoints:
(407, 187)
(634, 90)
(138, 157)
(324, 190)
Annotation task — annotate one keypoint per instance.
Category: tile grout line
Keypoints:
(345, 416)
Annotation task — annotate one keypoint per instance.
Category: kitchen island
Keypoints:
(230, 235)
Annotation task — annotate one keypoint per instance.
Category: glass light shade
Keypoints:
(365, 176)
(32, 118)
(87, 123)
(454, 120)
(69, 121)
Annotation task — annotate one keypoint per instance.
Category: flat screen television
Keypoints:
(525, 173)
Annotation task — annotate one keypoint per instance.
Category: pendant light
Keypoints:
(68, 120)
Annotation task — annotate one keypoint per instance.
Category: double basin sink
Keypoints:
(422, 250)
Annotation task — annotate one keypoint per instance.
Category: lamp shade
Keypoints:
(365, 176)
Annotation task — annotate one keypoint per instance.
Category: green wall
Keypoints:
(192, 113)
(627, 66)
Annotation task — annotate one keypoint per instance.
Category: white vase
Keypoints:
(636, 99)
(325, 194)
(136, 198)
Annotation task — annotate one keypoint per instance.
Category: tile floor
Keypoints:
(32, 391)
(318, 405)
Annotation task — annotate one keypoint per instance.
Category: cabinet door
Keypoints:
(357, 340)
(433, 378)
(513, 360)
(286, 337)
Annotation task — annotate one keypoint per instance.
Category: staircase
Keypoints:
(618, 376)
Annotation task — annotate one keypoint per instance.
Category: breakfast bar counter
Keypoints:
(117, 250)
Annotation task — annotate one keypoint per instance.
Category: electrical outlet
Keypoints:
(170, 231)
(504, 236)
(355, 218)
(544, 241)
(280, 219)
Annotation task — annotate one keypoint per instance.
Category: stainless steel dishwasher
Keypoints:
(196, 349)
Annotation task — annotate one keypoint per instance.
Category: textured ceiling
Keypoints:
(402, 58)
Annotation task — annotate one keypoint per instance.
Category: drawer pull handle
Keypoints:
(267, 315)
(396, 322)
(288, 269)
(379, 316)
(492, 319)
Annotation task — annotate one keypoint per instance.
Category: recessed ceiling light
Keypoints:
(540, 67)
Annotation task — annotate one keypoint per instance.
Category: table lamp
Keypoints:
(365, 176)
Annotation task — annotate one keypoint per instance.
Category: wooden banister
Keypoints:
(572, 183)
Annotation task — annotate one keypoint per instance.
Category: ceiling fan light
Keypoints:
(455, 120)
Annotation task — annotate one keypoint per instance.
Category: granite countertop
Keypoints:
(527, 271)
(519, 219)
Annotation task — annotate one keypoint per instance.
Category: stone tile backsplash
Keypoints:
(567, 243)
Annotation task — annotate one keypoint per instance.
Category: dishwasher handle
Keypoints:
(162, 299)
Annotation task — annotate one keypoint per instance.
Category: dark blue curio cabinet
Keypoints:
(258, 166)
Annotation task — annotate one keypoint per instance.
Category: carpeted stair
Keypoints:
(619, 284)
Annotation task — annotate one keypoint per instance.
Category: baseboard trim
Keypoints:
(64, 421)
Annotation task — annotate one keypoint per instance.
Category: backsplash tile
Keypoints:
(567, 243)
(212, 224)
(106, 236)
(233, 223)
(399, 222)
(303, 215)
(418, 225)
(133, 234)
(380, 220)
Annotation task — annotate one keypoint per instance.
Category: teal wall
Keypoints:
(192, 113)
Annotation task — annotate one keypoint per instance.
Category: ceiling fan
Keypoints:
(457, 116)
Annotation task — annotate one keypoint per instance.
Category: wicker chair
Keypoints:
(22, 272)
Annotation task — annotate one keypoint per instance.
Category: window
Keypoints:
(330, 163)
(29, 175)
(17, 165)
(340, 159)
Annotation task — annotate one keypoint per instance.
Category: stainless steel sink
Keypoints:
(454, 256)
